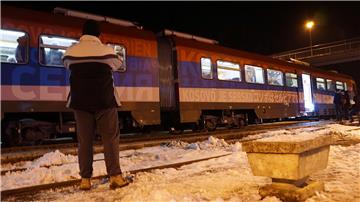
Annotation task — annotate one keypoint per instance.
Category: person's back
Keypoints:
(346, 104)
(347, 99)
(91, 64)
(93, 99)
(338, 105)
(337, 98)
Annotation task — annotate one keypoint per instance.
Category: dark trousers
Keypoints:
(338, 112)
(105, 122)
(346, 113)
(353, 112)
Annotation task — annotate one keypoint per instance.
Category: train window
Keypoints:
(52, 49)
(330, 85)
(14, 46)
(291, 80)
(320, 84)
(228, 71)
(120, 50)
(275, 77)
(206, 68)
(254, 74)
(339, 85)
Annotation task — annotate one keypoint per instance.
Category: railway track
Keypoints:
(3, 172)
(124, 138)
(230, 137)
(23, 192)
(309, 129)
(13, 155)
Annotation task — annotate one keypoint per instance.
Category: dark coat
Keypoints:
(337, 98)
(91, 81)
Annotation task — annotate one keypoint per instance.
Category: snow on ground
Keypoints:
(337, 131)
(53, 158)
(227, 178)
(45, 170)
(342, 175)
(344, 132)
(293, 137)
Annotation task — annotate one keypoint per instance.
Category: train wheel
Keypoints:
(210, 124)
(229, 126)
(146, 129)
(11, 135)
(241, 123)
(175, 131)
(197, 127)
(33, 135)
(74, 137)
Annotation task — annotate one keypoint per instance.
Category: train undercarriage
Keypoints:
(21, 129)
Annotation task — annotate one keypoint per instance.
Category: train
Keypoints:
(169, 80)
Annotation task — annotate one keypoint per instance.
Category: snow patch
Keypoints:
(193, 146)
(236, 147)
(53, 158)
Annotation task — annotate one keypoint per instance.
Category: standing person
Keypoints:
(355, 109)
(94, 101)
(338, 105)
(21, 49)
(346, 105)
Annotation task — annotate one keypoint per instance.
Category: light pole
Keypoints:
(309, 25)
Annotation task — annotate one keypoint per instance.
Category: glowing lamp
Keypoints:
(309, 24)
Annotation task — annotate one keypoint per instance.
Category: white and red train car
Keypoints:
(35, 84)
(170, 79)
(218, 84)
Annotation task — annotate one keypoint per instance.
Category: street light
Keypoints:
(309, 25)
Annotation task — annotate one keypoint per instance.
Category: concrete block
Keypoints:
(289, 160)
(289, 144)
(289, 166)
(289, 157)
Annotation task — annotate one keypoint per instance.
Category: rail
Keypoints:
(31, 153)
(326, 49)
(31, 190)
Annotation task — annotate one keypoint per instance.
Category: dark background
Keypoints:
(260, 27)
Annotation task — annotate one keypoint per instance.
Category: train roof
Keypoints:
(41, 17)
(238, 53)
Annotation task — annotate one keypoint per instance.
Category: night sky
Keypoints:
(261, 27)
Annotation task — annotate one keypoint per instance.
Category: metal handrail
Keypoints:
(321, 49)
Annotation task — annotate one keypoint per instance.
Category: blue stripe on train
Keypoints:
(141, 71)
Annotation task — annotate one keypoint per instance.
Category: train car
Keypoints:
(35, 84)
(205, 83)
(173, 80)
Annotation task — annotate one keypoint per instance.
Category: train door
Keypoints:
(169, 87)
(307, 91)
